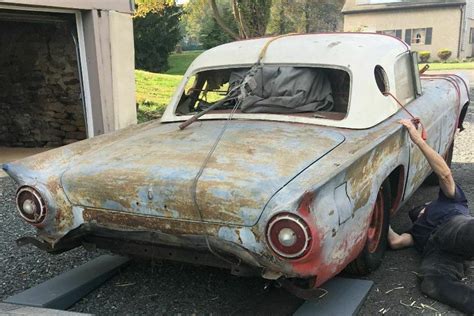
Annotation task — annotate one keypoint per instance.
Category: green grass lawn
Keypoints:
(179, 63)
(449, 66)
(153, 93)
(154, 90)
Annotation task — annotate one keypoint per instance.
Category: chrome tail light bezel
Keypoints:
(295, 223)
(27, 193)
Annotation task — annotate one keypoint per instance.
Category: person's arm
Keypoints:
(397, 241)
(437, 163)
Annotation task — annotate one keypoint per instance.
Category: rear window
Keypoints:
(404, 79)
(304, 91)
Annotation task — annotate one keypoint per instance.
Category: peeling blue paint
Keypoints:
(249, 241)
(229, 234)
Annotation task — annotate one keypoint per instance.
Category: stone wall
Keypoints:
(40, 96)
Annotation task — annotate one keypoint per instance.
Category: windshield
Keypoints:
(289, 90)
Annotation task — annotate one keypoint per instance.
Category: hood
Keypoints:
(151, 171)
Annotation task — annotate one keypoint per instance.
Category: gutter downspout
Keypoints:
(461, 30)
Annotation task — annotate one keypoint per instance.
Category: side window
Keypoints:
(404, 85)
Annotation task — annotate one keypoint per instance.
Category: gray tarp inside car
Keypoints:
(285, 89)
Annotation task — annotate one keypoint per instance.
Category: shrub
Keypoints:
(156, 34)
(424, 56)
(435, 61)
(444, 54)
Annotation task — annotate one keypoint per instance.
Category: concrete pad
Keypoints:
(8, 154)
(63, 291)
(344, 297)
(14, 310)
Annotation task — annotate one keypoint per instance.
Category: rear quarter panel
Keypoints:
(344, 184)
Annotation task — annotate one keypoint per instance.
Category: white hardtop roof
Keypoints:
(356, 53)
(343, 49)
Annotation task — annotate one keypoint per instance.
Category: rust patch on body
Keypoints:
(360, 175)
(118, 220)
(305, 204)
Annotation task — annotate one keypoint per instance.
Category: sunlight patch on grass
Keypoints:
(449, 66)
(153, 93)
(179, 63)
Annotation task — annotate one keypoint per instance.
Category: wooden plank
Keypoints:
(13, 309)
(66, 289)
(344, 297)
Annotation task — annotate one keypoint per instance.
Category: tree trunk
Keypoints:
(221, 22)
(307, 16)
(238, 18)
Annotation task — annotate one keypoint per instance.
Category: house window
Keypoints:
(394, 33)
(471, 36)
(420, 36)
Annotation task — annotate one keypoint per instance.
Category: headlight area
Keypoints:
(289, 236)
(31, 205)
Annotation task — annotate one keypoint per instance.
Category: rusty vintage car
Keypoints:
(291, 169)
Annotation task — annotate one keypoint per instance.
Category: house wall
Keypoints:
(445, 22)
(126, 6)
(111, 62)
(469, 43)
(468, 25)
(40, 92)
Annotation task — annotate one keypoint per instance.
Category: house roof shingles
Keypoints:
(359, 6)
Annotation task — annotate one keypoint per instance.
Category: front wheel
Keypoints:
(371, 256)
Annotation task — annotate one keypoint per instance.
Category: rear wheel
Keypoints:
(432, 179)
(371, 257)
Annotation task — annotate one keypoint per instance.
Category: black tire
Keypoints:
(432, 179)
(371, 256)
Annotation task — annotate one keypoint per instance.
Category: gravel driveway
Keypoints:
(169, 288)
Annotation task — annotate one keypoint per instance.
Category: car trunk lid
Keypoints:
(151, 172)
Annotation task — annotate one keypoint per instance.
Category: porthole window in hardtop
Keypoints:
(303, 91)
(381, 79)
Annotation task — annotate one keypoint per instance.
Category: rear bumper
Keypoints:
(156, 245)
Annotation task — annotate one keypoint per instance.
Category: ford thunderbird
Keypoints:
(280, 157)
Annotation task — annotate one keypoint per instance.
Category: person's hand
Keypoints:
(412, 131)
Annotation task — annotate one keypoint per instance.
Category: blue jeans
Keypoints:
(443, 264)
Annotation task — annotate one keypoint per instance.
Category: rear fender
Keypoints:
(340, 209)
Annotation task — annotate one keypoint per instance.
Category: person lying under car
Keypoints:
(443, 232)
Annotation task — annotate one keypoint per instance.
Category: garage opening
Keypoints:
(41, 103)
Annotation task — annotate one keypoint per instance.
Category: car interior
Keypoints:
(289, 90)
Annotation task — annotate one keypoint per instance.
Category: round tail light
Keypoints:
(288, 235)
(30, 205)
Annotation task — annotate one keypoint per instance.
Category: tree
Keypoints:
(305, 16)
(251, 17)
(211, 35)
(281, 21)
(156, 33)
(200, 26)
